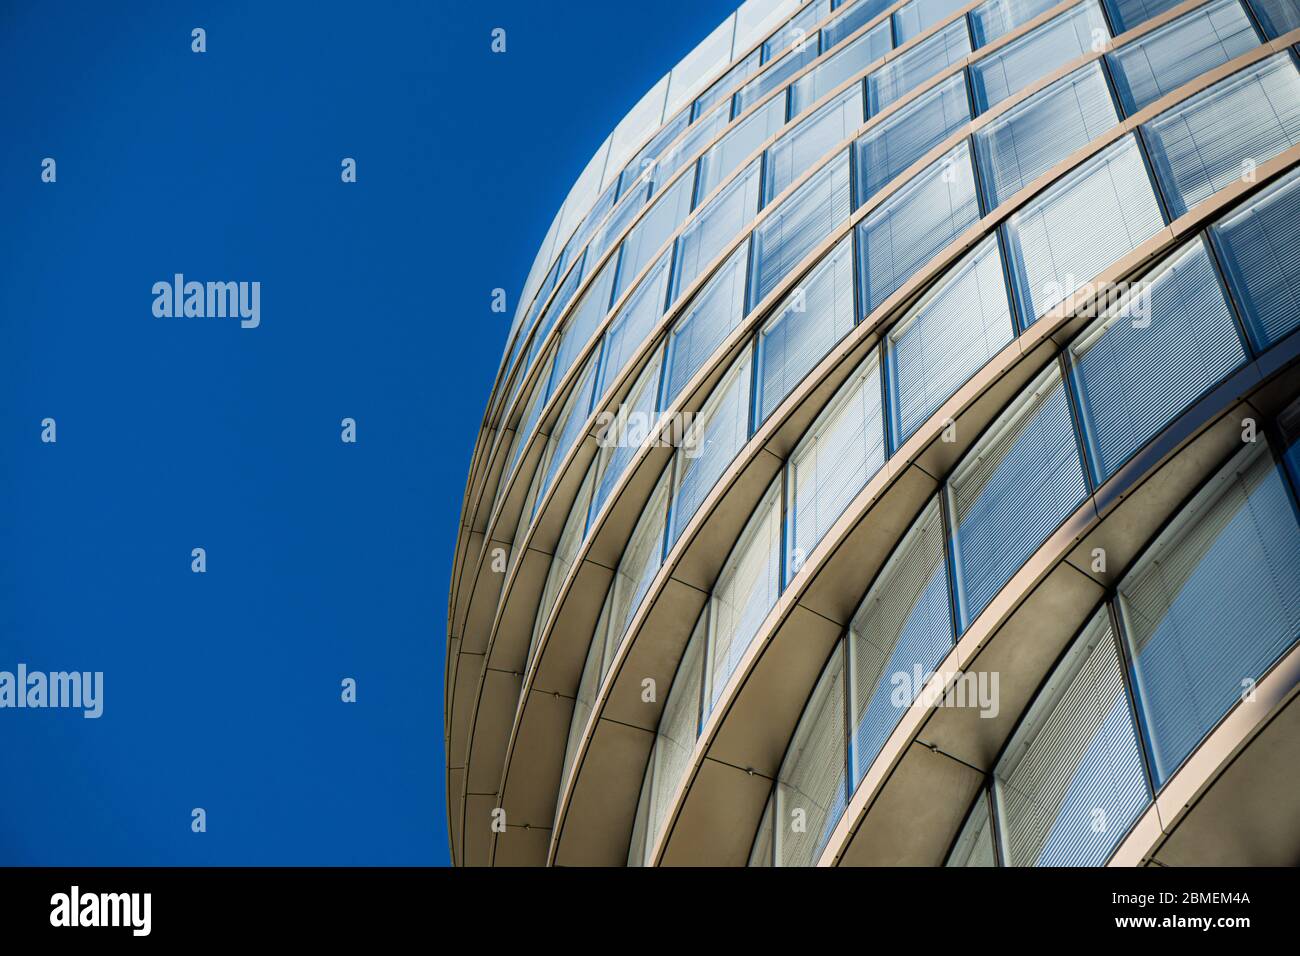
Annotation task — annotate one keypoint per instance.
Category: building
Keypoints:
(891, 461)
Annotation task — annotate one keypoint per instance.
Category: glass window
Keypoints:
(1013, 489)
(913, 225)
(1033, 136)
(719, 222)
(1164, 59)
(798, 225)
(909, 133)
(705, 131)
(644, 162)
(794, 153)
(619, 439)
(747, 588)
(810, 789)
(855, 17)
(1077, 228)
(1031, 57)
(585, 318)
(712, 315)
(1212, 604)
(635, 321)
(841, 452)
(1176, 336)
(910, 69)
(815, 316)
(527, 425)
(852, 59)
(566, 552)
(1126, 14)
(647, 237)
(995, 18)
(775, 76)
(915, 17)
(974, 846)
(570, 425)
(1277, 16)
(761, 852)
(899, 634)
(1259, 245)
(714, 437)
(628, 206)
(738, 145)
(799, 29)
(1224, 132)
(593, 672)
(1071, 782)
(947, 337)
(639, 564)
(674, 741)
(723, 86)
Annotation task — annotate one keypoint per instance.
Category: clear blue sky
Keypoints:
(324, 560)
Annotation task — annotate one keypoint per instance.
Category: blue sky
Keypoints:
(325, 560)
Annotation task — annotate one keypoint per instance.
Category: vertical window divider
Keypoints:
(850, 731)
(1075, 403)
(1221, 276)
(1019, 314)
(1145, 152)
(1111, 602)
(949, 530)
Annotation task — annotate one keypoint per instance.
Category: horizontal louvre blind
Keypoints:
(639, 563)
(738, 145)
(834, 461)
(645, 160)
(699, 135)
(900, 632)
(1066, 236)
(629, 204)
(593, 672)
(1015, 487)
(795, 152)
(908, 134)
(776, 75)
(1137, 369)
(586, 318)
(810, 786)
(1203, 145)
(713, 314)
(1127, 14)
(622, 438)
(816, 315)
(1214, 602)
(946, 338)
(910, 69)
(797, 226)
(746, 590)
(714, 438)
(633, 324)
(527, 425)
(574, 415)
(661, 220)
(1277, 16)
(676, 735)
(562, 561)
(995, 18)
(855, 16)
(1165, 59)
(723, 86)
(1037, 134)
(853, 58)
(1036, 54)
(914, 18)
(974, 846)
(717, 224)
(1071, 782)
(1260, 250)
(909, 228)
(798, 29)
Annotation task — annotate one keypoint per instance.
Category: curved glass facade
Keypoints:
(890, 198)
